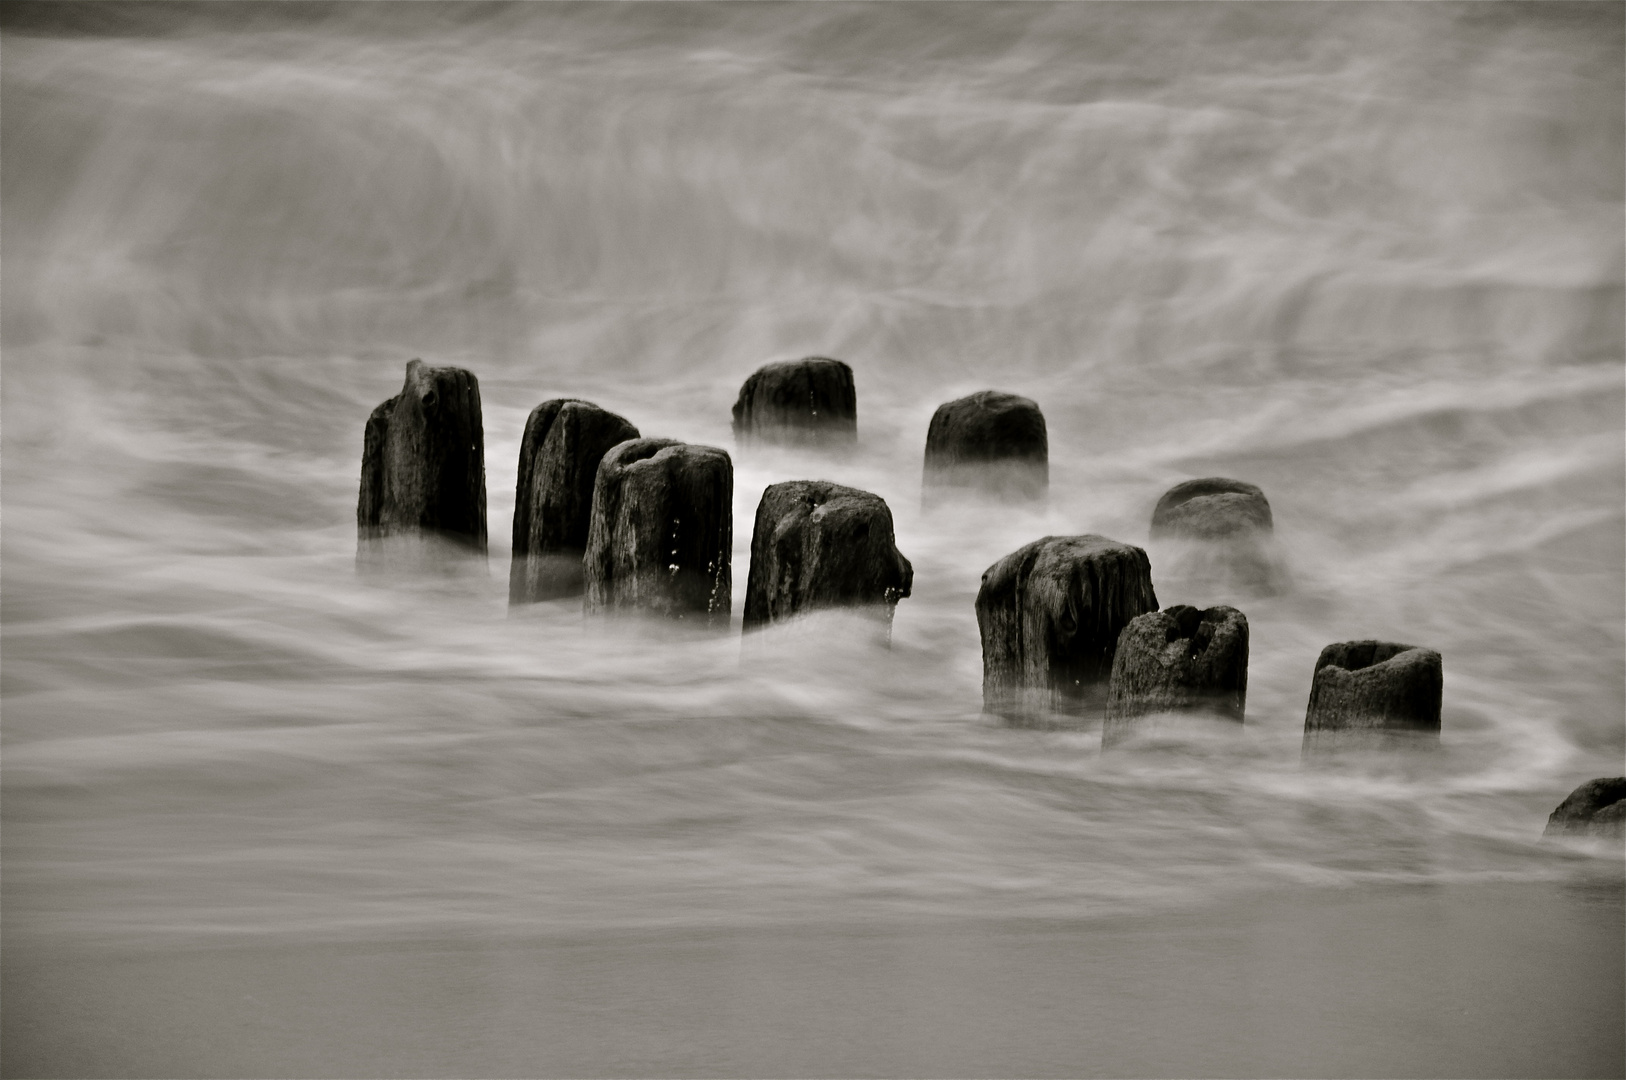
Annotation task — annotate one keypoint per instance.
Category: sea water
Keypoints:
(264, 816)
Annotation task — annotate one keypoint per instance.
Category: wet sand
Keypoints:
(1493, 980)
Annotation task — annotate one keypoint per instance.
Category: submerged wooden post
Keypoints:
(1373, 693)
(1219, 531)
(807, 401)
(820, 545)
(565, 439)
(423, 461)
(1180, 659)
(1050, 614)
(662, 531)
(1596, 808)
(1211, 508)
(989, 442)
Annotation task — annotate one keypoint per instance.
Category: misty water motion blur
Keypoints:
(1367, 257)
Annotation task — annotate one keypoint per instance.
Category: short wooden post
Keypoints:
(1596, 808)
(1180, 659)
(820, 545)
(662, 531)
(1373, 693)
(808, 401)
(1050, 614)
(423, 461)
(565, 440)
(989, 442)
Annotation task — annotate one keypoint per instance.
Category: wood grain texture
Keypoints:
(1050, 614)
(662, 531)
(807, 401)
(1180, 659)
(423, 460)
(565, 440)
(819, 545)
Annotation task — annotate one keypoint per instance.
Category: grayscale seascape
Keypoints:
(265, 815)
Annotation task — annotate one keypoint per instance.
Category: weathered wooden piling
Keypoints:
(1218, 533)
(1212, 508)
(989, 442)
(1596, 808)
(662, 531)
(1050, 614)
(821, 545)
(565, 439)
(1373, 693)
(807, 401)
(1180, 659)
(423, 461)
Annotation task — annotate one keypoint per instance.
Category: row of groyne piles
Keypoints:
(1069, 625)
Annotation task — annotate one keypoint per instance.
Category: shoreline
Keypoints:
(1504, 979)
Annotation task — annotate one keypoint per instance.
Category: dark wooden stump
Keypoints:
(423, 461)
(809, 401)
(1050, 614)
(1373, 693)
(1212, 508)
(1180, 659)
(991, 443)
(662, 531)
(565, 439)
(821, 545)
(1216, 533)
(1596, 808)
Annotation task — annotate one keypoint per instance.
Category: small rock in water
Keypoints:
(565, 439)
(1050, 614)
(808, 401)
(1180, 659)
(1218, 532)
(990, 442)
(1596, 808)
(821, 545)
(423, 462)
(662, 531)
(1373, 694)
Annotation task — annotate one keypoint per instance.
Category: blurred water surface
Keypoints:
(1366, 256)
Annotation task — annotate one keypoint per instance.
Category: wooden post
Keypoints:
(565, 439)
(1596, 808)
(991, 443)
(1180, 659)
(1050, 614)
(820, 545)
(1212, 508)
(808, 401)
(1373, 693)
(423, 461)
(662, 531)
(1217, 533)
